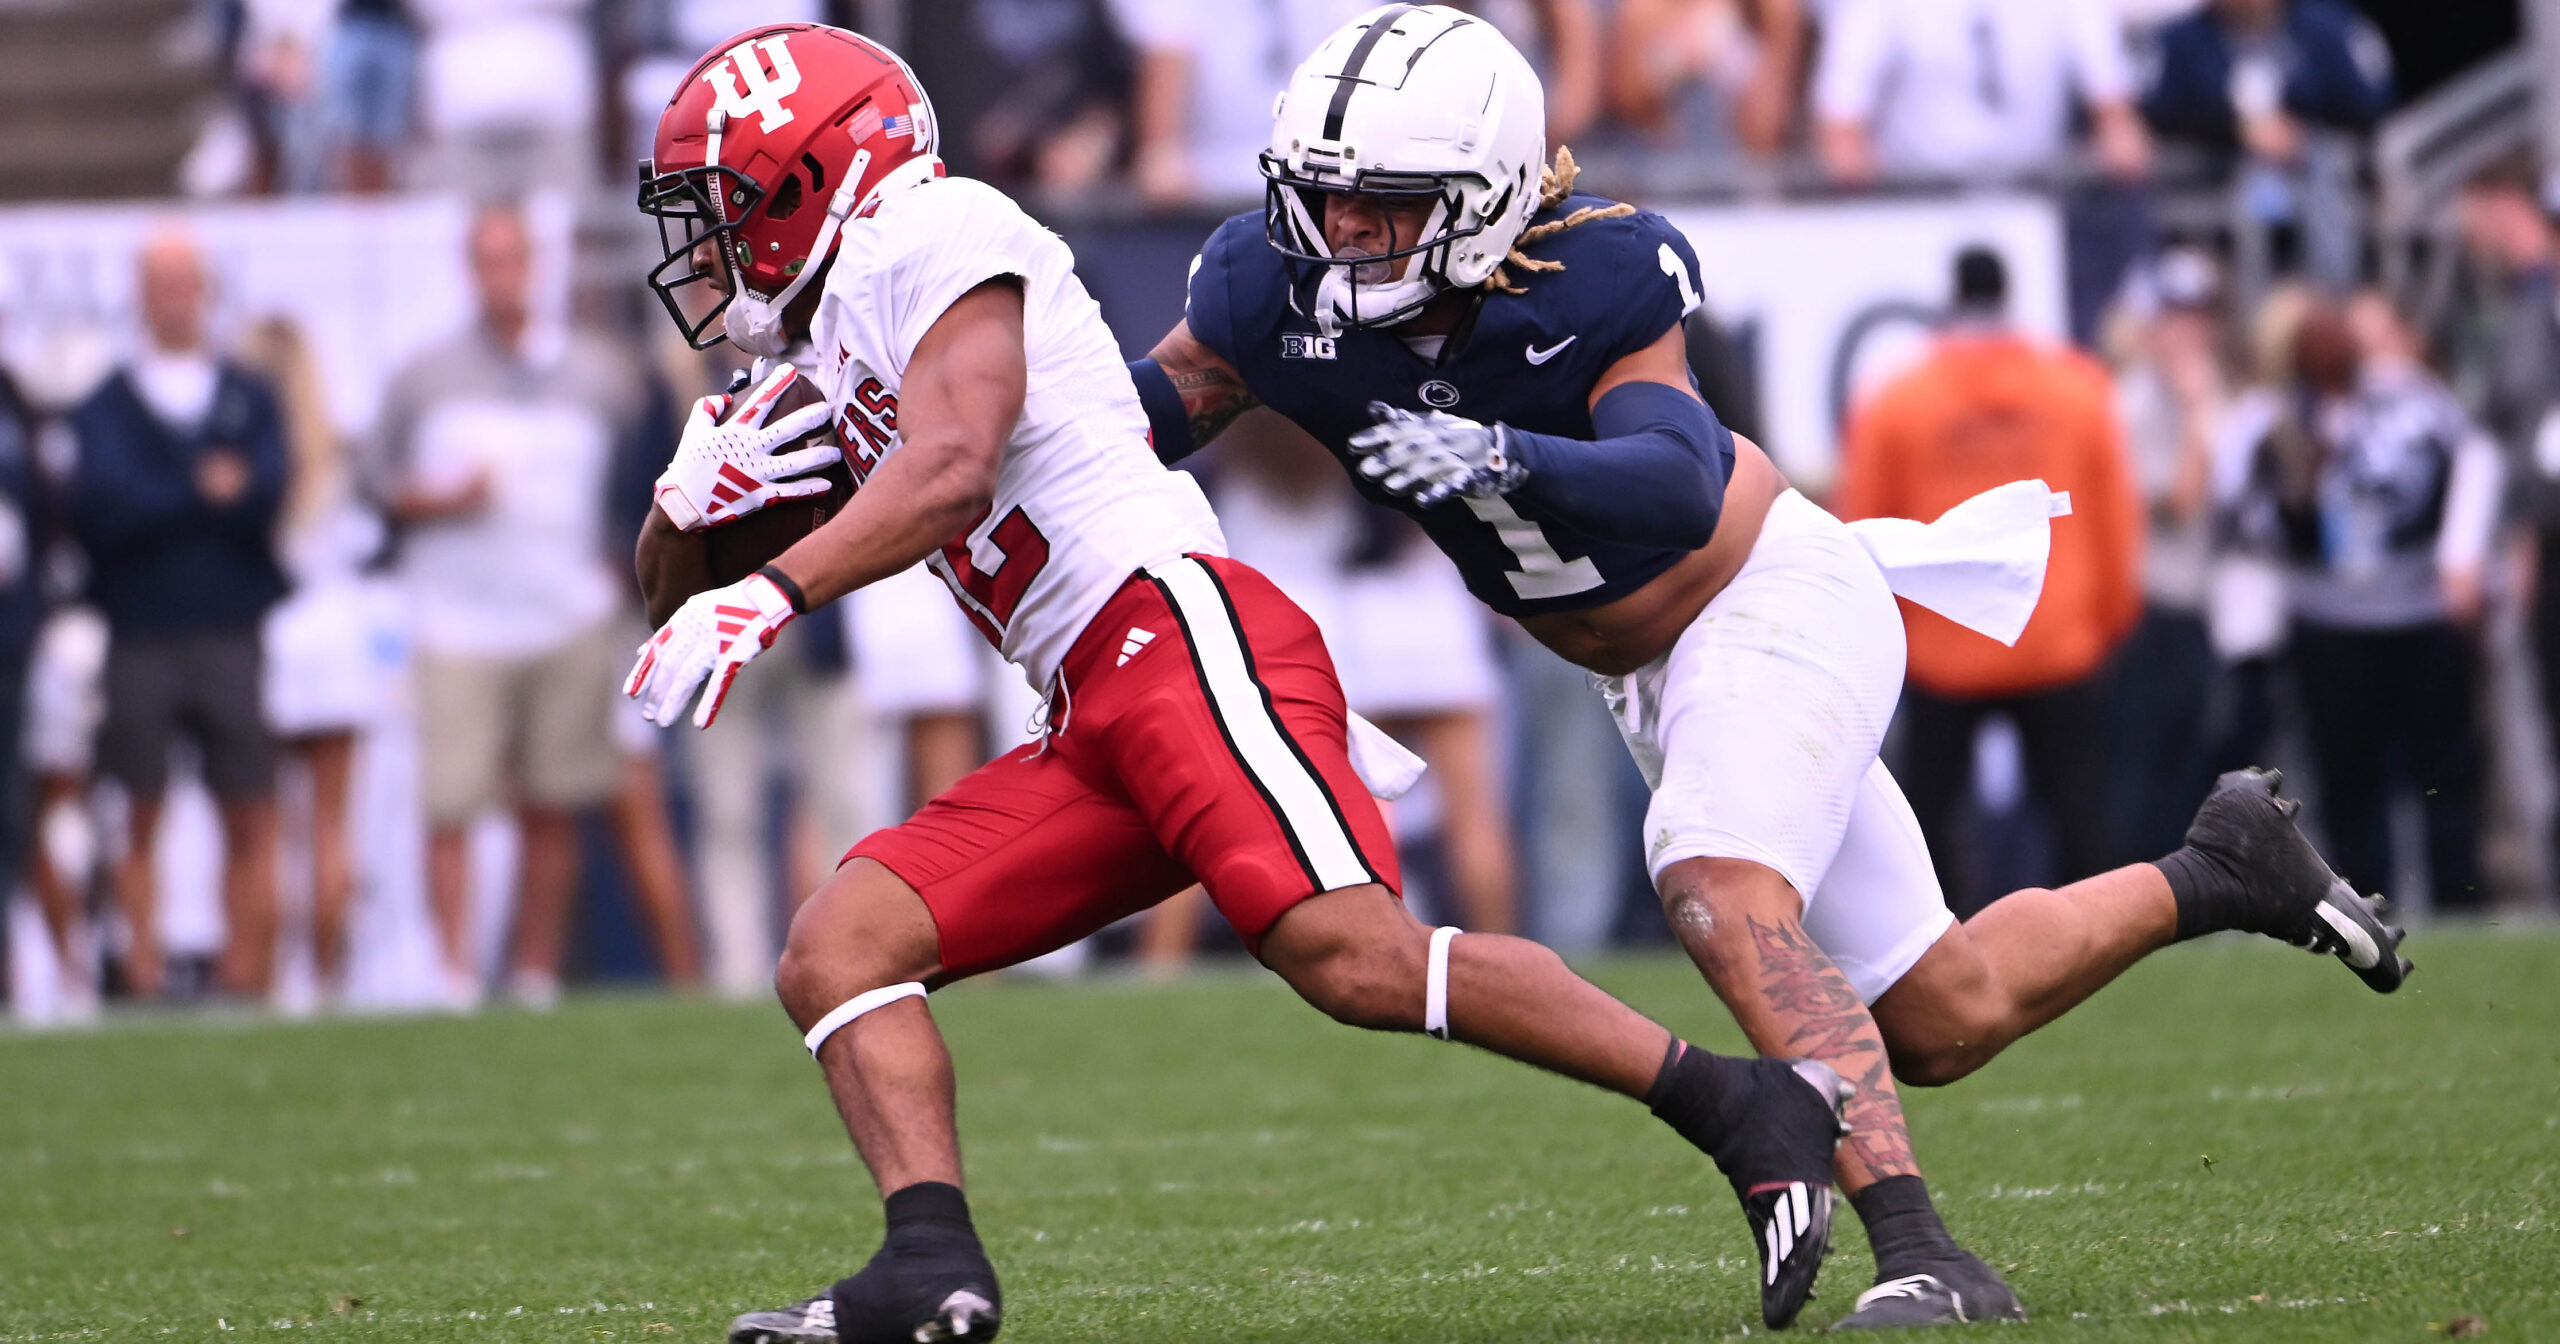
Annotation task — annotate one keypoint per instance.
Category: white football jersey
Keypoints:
(1081, 503)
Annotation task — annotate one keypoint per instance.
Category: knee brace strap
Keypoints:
(1435, 985)
(843, 1014)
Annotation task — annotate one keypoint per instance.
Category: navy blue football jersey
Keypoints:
(1526, 360)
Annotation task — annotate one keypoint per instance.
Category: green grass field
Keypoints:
(2238, 1142)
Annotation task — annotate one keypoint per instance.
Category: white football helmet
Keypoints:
(1407, 100)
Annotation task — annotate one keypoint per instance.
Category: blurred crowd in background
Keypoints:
(2307, 417)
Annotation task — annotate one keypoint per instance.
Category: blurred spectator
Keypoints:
(2510, 221)
(2246, 609)
(509, 92)
(805, 720)
(277, 69)
(21, 609)
(1715, 77)
(1989, 405)
(1972, 89)
(2289, 87)
(1208, 71)
(181, 469)
(923, 674)
(322, 684)
(495, 453)
(2388, 495)
(66, 700)
(640, 816)
(1061, 75)
(1564, 42)
(658, 42)
(2510, 218)
(803, 725)
(2171, 392)
(369, 87)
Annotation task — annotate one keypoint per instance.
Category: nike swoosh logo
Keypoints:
(2361, 952)
(1538, 356)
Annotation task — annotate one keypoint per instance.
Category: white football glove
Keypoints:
(722, 473)
(1435, 456)
(711, 636)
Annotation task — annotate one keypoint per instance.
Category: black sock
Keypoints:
(1688, 1093)
(2207, 893)
(1708, 1099)
(1902, 1226)
(931, 1251)
(929, 1203)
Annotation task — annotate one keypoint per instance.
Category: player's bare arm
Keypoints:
(1213, 393)
(962, 394)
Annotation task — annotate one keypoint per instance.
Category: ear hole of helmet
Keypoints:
(786, 199)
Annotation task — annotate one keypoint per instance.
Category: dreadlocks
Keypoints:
(1555, 183)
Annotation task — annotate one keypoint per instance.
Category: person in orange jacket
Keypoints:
(1990, 404)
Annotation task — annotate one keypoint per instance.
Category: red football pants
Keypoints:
(1202, 737)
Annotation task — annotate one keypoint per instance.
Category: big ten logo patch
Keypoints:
(1300, 346)
(868, 424)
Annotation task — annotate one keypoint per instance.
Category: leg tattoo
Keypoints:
(1827, 1021)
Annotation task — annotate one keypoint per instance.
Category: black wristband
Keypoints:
(790, 591)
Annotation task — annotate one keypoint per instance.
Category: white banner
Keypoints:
(370, 282)
(1840, 293)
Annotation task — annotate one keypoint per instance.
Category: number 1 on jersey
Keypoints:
(1542, 573)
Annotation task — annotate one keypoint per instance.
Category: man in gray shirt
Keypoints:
(494, 457)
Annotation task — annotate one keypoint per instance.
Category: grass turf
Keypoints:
(2237, 1142)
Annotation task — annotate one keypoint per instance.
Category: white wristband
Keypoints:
(1435, 985)
(843, 1014)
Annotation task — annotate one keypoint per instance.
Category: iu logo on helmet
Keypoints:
(742, 88)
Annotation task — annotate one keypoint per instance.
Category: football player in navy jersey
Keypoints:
(1502, 359)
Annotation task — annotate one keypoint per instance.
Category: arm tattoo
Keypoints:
(1214, 397)
(1832, 1024)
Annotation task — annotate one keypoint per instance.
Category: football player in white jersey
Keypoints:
(1196, 731)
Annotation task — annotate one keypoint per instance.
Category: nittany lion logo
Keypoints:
(742, 88)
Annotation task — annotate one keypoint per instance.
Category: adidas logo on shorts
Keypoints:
(1137, 640)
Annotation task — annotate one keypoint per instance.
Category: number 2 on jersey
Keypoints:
(989, 597)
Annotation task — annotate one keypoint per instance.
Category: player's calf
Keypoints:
(1357, 957)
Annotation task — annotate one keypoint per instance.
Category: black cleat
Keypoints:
(810, 1321)
(963, 1315)
(1790, 1205)
(1952, 1292)
(929, 1284)
(2293, 896)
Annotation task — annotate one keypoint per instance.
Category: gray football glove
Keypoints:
(1435, 456)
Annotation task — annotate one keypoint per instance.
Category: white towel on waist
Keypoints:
(1981, 564)
(1382, 762)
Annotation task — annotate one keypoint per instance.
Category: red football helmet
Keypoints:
(770, 144)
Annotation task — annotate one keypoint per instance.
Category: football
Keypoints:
(732, 551)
